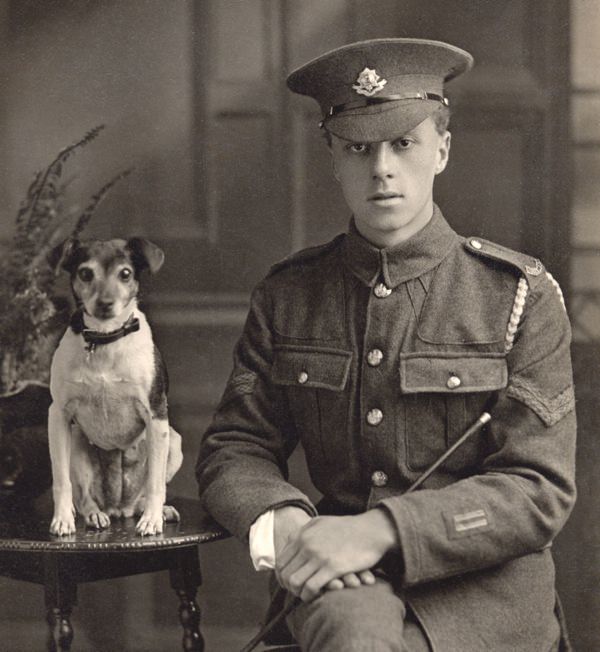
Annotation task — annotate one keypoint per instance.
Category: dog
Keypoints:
(112, 449)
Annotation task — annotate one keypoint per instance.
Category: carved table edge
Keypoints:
(146, 543)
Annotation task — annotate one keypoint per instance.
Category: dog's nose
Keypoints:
(104, 305)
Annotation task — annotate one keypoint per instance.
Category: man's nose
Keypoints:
(382, 162)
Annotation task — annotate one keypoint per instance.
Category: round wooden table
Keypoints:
(29, 552)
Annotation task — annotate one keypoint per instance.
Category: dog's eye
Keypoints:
(85, 274)
(125, 274)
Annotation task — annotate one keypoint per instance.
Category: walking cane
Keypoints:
(287, 610)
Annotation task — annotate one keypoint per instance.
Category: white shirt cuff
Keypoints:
(262, 541)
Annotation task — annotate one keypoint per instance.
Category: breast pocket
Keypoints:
(443, 395)
(314, 380)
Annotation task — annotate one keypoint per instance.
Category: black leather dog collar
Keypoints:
(97, 338)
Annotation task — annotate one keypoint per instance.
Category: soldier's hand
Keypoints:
(351, 581)
(331, 549)
(287, 521)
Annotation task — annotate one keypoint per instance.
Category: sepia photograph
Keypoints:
(300, 325)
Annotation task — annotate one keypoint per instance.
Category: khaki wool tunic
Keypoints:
(378, 361)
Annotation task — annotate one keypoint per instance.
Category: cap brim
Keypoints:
(377, 123)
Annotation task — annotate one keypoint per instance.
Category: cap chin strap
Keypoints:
(381, 99)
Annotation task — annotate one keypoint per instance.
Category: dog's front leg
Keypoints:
(59, 440)
(157, 441)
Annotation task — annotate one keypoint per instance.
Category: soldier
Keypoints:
(377, 351)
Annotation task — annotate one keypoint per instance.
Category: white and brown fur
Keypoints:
(111, 445)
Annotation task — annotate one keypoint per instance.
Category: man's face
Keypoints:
(388, 185)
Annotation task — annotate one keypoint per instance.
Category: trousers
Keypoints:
(365, 619)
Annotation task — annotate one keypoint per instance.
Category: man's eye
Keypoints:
(404, 143)
(125, 274)
(358, 148)
(85, 274)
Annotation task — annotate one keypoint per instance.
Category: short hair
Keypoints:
(441, 120)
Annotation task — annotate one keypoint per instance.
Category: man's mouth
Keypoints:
(385, 197)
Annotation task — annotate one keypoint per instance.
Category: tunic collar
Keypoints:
(407, 260)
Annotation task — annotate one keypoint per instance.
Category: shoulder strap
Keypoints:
(529, 267)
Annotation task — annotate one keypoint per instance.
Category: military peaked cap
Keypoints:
(380, 89)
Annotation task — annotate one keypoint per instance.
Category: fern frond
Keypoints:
(97, 198)
(54, 169)
(26, 203)
(66, 152)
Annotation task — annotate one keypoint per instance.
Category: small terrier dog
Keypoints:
(111, 446)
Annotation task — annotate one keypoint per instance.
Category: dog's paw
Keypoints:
(170, 514)
(151, 522)
(63, 522)
(97, 520)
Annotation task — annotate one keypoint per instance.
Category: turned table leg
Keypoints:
(185, 580)
(61, 596)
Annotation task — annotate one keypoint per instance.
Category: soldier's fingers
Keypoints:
(295, 581)
(283, 572)
(366, 577)
(285, 556)
(335, 585)
(315, 584)
(351, 580)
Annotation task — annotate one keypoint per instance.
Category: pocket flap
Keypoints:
(307, 366)
(451, 373)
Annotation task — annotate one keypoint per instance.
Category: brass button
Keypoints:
(379, 479)
(374, 417)
(374, 357)
(453, 382)
(476, 244)
(302, 377)
(381, 291)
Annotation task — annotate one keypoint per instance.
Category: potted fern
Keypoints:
(33, 315)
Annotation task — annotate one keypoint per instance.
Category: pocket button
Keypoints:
(302, 377)
(453, 382)
(379, 479)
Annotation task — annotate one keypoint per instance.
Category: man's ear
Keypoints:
(329, 140)
(443, 152)
(145, 254)
(333, 164)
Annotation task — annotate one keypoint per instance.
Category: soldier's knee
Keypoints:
(360, 620)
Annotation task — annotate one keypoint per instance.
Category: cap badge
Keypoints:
(368, 83)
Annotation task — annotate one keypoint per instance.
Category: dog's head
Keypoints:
(105, 273)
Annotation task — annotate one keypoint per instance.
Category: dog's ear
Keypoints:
(145, 254)
(62, 255)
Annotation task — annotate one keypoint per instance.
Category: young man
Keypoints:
(377, 351)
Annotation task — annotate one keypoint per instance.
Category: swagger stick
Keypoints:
(287, 610)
